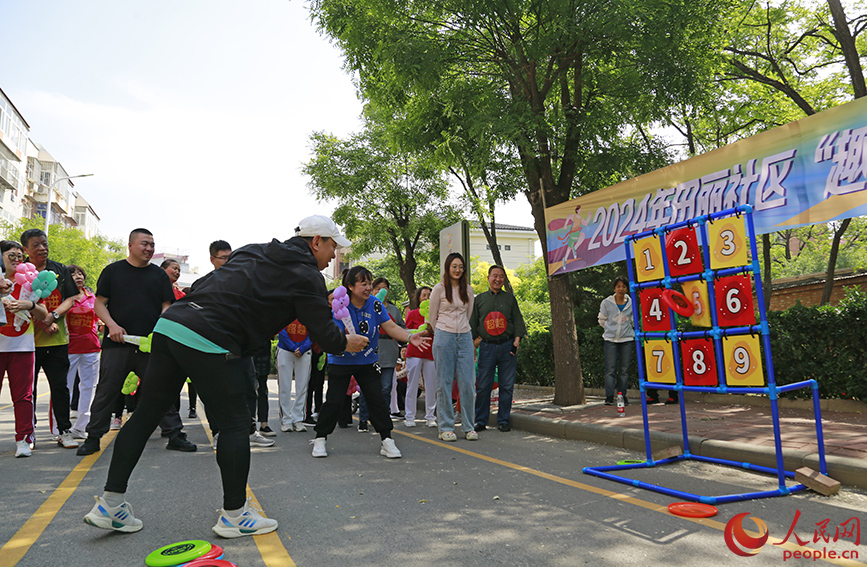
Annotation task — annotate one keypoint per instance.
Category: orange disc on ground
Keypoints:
(692, 509)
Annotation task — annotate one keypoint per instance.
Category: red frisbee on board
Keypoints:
(692, 509)
(676, 300)
(210, 563)
(215, 553)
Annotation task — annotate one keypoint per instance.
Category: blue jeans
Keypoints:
(453, 357)
(387, 379)
(500, 358)
(617, 359)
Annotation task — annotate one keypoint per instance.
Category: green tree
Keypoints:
(69, 246)
(568, 75)
(805, 55)
(389, 200)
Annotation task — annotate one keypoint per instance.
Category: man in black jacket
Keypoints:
(205, 335)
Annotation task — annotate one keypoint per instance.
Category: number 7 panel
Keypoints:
(659, 362)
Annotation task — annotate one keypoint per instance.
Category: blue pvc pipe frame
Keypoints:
(717, 334)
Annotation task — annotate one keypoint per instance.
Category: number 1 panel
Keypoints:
(648, 259)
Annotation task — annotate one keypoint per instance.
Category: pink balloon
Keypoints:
(342, 313)
(26, 287)
(339, 292)
(20, 278)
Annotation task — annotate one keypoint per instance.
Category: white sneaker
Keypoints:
(66, 441)
(115, 424)
(298, 426)
(286, 427)
(120, 518)
(259, 440)
(22, 449)
(448, 436)
(410, 423)
(250, 522)
(214, 443)
(389, 449)
(431, 423)
(319, 447)
(472, 436)
(78, 434)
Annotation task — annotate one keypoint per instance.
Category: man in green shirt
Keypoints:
(497, 327)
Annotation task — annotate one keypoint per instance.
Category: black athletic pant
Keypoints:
(54, 361)
(115, 364)
(222, 384)
(315, 385)
(369, 380)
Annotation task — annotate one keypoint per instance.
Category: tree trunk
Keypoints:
(568, 380)
(766, 258)
(832, 262)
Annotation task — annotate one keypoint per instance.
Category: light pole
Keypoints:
(50, 189)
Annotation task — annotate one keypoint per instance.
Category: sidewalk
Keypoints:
(734, 431)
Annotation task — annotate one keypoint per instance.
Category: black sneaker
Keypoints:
(652, 400)
(609, 401)
(480, 427)
(89, 447)
(671, 401)
(179, 443)
(267, 431)
(342, 425)
(362, 426)
(309, 422)
(504, 427)
(192, 414)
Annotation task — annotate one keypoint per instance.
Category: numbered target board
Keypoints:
(654, 313)
(699, 362)
(743, 364)
(659, 359)
(734, 301)
(684, 255)
(728, 243)
(648, 259)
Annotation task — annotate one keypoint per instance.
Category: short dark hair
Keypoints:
(620, 279)
(168, 262)
(76, 268)
(7, 245)
(381, 280)
(31, 233)
(139, 231)
(218, 246)
(496, 267)
(356, 274)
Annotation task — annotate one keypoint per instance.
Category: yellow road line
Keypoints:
(14, 549)
(617, 496)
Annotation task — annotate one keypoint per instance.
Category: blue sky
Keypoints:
(193, 115)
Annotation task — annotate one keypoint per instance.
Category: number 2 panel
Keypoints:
(699, 362)
(743, 363)
(684, 255)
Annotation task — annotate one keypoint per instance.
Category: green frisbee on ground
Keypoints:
(177, 553)
(630, 462)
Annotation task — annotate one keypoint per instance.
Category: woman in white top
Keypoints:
(451, 303)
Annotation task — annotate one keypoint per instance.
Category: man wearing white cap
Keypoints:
(204, 336)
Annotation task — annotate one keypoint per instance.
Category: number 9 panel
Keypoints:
(743, 364)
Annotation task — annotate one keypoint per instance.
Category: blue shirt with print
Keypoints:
(366, 321)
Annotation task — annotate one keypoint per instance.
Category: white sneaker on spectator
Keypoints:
(77, 434)
(389, 449)
(118, 518)
(431, 423)
(319, 447)
(22, 449)
(115, 424)
(298, 426)
(410, 423)
(66, 441)
(259, 440)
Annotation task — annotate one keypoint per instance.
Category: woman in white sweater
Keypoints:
(451, 303)
(615, 316)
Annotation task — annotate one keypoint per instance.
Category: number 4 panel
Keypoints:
(743, 361)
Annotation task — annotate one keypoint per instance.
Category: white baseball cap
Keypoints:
(319, 225)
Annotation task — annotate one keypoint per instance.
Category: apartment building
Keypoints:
(14, 132)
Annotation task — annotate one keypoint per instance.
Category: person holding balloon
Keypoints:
(420, 363)
(17, 348)
(84, 348)
(359, 313)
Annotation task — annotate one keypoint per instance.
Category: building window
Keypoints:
(508, 246)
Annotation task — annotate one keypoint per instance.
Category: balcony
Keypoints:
(8, 174)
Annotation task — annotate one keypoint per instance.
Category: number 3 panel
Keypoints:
(743, 361)
(728, 243)
(699, 362)
(659, 362)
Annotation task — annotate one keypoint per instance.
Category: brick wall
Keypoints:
(810, 292)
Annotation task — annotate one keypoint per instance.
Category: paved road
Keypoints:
(508, 499)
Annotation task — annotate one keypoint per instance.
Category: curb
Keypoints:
(851, 472)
